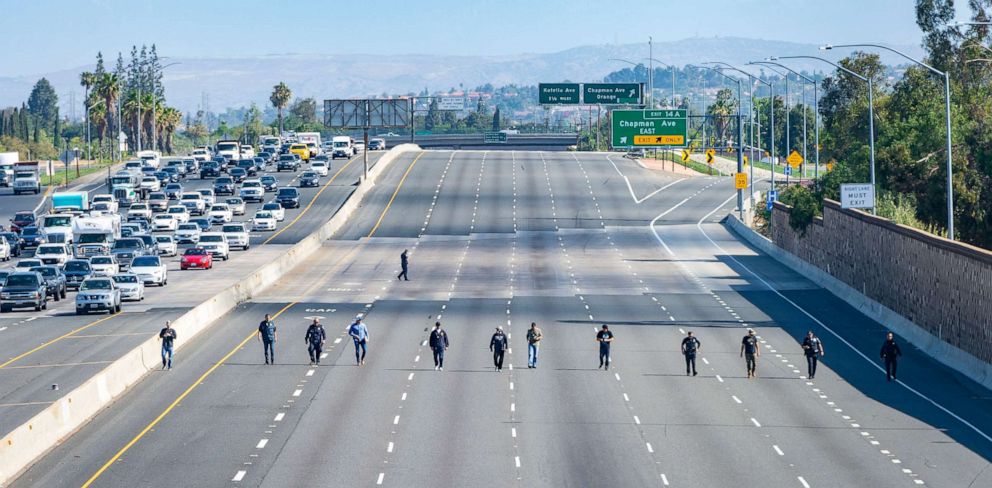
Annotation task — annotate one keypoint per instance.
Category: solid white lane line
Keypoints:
(261, 444)
(240, 475)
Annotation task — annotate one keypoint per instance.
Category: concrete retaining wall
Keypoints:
(905, 263)
(46, 430)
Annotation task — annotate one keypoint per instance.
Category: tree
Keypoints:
(496, 119)
(305, 109)
(720, 112)
(281, 94)
(43, 103)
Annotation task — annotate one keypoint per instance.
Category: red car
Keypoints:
(21, 220)
(196, 258)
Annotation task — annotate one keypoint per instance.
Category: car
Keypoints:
(131, 286)
(32, 236)
(237, 205)
(56, 254)
(200, 155)
(258, 166)
(221, 213)
(269, 182)
(6, 249)
(178, 212)
(252, 191)
(192, 165)
(151, 270)
(263, 221)
(224, 186)
(4, 273)
(238, 174)
(194, 203)
(104, 266)
(377, 144)
(54, 280)
(208, 196)
(276, 209)
(173, 191)
(96, 294)
(16, 243)
(139, 210)
(210, 169)
(126, 249)
(204, 223)
(196, 258)
(321, 168)
(309, 178)
(26, 264)
(288, 162)
(248, 165)
(130, 228)
(179, 166)
(103, 208)
(299, 149)
(158, 201)
(237, 235)
(105, 198)
(150, 183)
(288, 197)
(188, 234)
(166, 245)
(170, 175)
(24, 289)
(151, 247)
(75, 271)
(164, 222)
(21, 220)
(359, 146)
(216, 244)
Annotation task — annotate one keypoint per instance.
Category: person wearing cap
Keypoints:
(813, 349)
(267, 334)
(314, 339)
(750, 351)
(605, 338)
(498, 345)
(360, 336)
(690, 345)
(438, 343)
(534, 336)
(168, 336)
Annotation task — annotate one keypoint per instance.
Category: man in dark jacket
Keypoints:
(890, 354)
(405, 264)
(498, 345)
(168, 337)
(438, 343)
(315, 338)
(267, 334)
(813, 349)
(690, 345)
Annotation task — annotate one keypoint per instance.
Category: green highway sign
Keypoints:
(612, 93)
(493, 137)
(558, 93)
(649, 128)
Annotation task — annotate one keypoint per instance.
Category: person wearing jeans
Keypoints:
(168, 336)
(360, 335)
(813, 349)
(534, 336)
(267, 334)
(439, 343)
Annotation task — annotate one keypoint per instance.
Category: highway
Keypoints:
(569, 241)
(55, 347)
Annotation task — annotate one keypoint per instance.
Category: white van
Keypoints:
(344, 147)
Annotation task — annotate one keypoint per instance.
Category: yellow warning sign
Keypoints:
(745, 160)
(659, 140)
(740, 181)
(685, 155)
(830, 165)
(795, 159)
(709, 155)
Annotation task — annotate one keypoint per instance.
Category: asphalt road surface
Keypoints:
(570, 242)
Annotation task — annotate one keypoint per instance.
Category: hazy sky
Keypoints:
(48, 35)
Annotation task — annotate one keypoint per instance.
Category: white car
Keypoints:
(359, 147)
(131, 286)
(164, 222)
(179, 213)
(252, 191)
(216, 244)
(262, 221)
(221, 214)
(54, 254)
(4, 249)
(194, 203)
(277, 211)
(151, 183)
(188, 234)
(151, 270)
(208, 196)
(319, 167)
(237, 235)
(104, 266)
(27, 264)
(105, 198)
(237, 205)
(166, 245)
(201, 155)
(140, 210)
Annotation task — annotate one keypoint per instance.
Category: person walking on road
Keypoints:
(438, 343)
(890, 354)
(267, 334)
(360, 336)
(314, 339)
(498, 345)
(168, 337)
(405, 264)
(813, 349)
(689, 347)
(605, 338)
(750, 351)
(534, 336)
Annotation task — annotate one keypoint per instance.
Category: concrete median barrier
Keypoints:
(47, 429)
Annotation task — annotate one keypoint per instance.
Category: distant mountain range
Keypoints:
(235, 82)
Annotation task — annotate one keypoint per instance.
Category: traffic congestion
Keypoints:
(155, 216)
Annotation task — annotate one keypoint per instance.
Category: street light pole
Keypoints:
(740, 135)
(672, 68)
(816, 112)
(947, 120)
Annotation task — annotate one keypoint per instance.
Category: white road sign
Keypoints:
(857, 195)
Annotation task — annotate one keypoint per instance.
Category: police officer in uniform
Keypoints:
(813, 349)
(315, 338)
(890, 354)
(689, 347)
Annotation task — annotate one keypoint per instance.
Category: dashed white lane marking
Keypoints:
(389, 448)
(297, 393)
(261, 444)
(777, 450)
(383, 475)
(396, 420)
(403, 398)
(803, 481)
(240, 475)
(2, 329)
(637, 420)
(408, 378)
(310, 373)
(650, 449)
(718, 378)
(705, 361)
(738, 400)
(279, 417)
(516, 460)
(755, 422)
(664, 479)
(337, 341)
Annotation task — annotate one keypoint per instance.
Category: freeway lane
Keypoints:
(397, 422)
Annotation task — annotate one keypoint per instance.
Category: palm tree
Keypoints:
(109, 89)
(281, 94)
(87, 79)
(170, 119)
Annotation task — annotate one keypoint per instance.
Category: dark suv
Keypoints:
(76, 270)
(288, 197)
(24, 289)
(126, 249)
(54, 281)
(224, 186)
(288, 162)
(209, 169)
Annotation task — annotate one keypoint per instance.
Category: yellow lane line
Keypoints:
(378, 222)
(57, 339)
(314, 199)
(176, 402)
